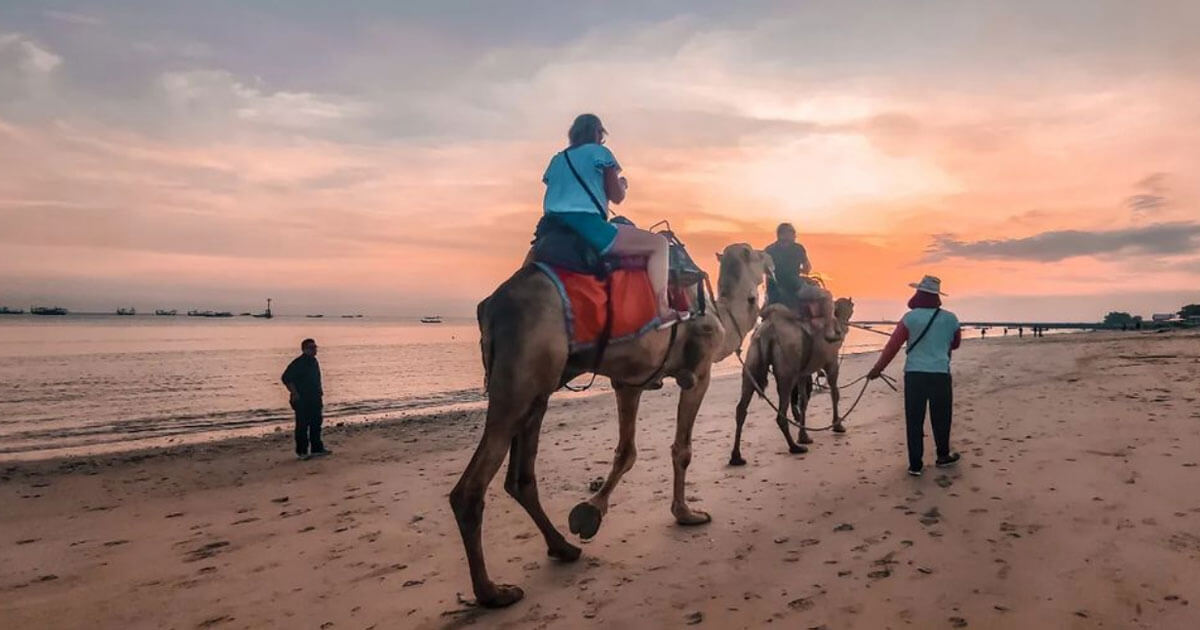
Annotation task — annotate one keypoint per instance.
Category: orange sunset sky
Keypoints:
(1043, 158)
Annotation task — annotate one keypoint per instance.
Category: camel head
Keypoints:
(743, 270)
(843, 309)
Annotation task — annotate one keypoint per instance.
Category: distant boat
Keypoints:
(127, 311)
(347, 317)
(315, 316)
(431, 319)
(47, 310)
(4, 310)
(164, 312)
(358, 316)
(246, 314)
(196, 313)
(221, 314)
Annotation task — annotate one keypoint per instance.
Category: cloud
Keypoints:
(1162, 239)
(25, 55)
(73, 18)
(224, 97)
(1152, 198)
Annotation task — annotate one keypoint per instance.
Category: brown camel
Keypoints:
(788, 345)
(525, 358)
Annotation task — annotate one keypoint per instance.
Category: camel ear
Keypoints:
(718, 256)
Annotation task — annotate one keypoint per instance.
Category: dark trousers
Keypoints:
(308, 427)
(936, 391)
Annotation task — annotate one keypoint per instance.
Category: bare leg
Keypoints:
(521, 483)
(787, 391)
(831, 373)
(585, 518)
(634, 241)
(467, 498)
(681, 450)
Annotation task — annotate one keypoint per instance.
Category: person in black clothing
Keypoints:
(791, 261)
(303, 381)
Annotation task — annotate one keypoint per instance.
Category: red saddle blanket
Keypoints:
(585, 302)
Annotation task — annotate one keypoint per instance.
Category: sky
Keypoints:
(1042, 158)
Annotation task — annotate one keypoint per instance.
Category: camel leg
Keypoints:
(755, 371)
(831, 375)
(801, 394)
(787, 389)
(735, 458)
(467, 499)
(681, 450)
(585, 518)
(521, 483)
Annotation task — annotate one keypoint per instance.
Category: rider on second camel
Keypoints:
(791, 285)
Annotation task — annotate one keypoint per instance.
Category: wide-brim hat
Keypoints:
(929, 284)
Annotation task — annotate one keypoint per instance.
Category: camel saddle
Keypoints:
(608, 299)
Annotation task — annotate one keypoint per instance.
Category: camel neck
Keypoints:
(737, 318)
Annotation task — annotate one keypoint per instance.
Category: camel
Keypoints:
(787, 345)
(525, 357)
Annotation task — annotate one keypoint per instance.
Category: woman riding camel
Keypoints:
(580, 182)
(929, 334)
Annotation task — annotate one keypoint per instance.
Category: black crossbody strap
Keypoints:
(923, 332)
(599, 208)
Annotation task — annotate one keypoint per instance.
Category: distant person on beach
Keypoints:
(303, 381)
(931, 334)
(791, 262)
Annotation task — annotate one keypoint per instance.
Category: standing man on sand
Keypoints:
(931, 334)
(303, 381)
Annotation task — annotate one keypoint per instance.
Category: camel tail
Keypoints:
(487, 346)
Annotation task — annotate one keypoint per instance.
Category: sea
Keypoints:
(85, 384)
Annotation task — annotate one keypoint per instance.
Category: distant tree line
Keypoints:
(1121, 319)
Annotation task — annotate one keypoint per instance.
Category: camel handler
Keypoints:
(791, 285)
(931, 333)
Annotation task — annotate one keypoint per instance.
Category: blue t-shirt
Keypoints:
(563, 192)
(933, 353)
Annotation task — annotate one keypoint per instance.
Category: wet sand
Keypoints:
(1074, 507)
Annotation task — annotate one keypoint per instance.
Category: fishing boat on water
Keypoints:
(166, 313)
(127, 311)
(47, 310)
(317, 316)
(4, 310)
(431, 319)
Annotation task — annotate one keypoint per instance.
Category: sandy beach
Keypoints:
(1074, 507)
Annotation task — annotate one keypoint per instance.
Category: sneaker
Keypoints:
(948, 461)
(302, 456)
(675, 317)
(916, 472)
(322, 453)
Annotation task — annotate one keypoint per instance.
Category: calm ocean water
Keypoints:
(78, 384)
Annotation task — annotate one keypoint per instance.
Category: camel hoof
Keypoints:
(838, 428)
(804, 439)
(796, 449)
(691, 518)
(564, 552)
(585, 520)
(737, 460)
(500, 597)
